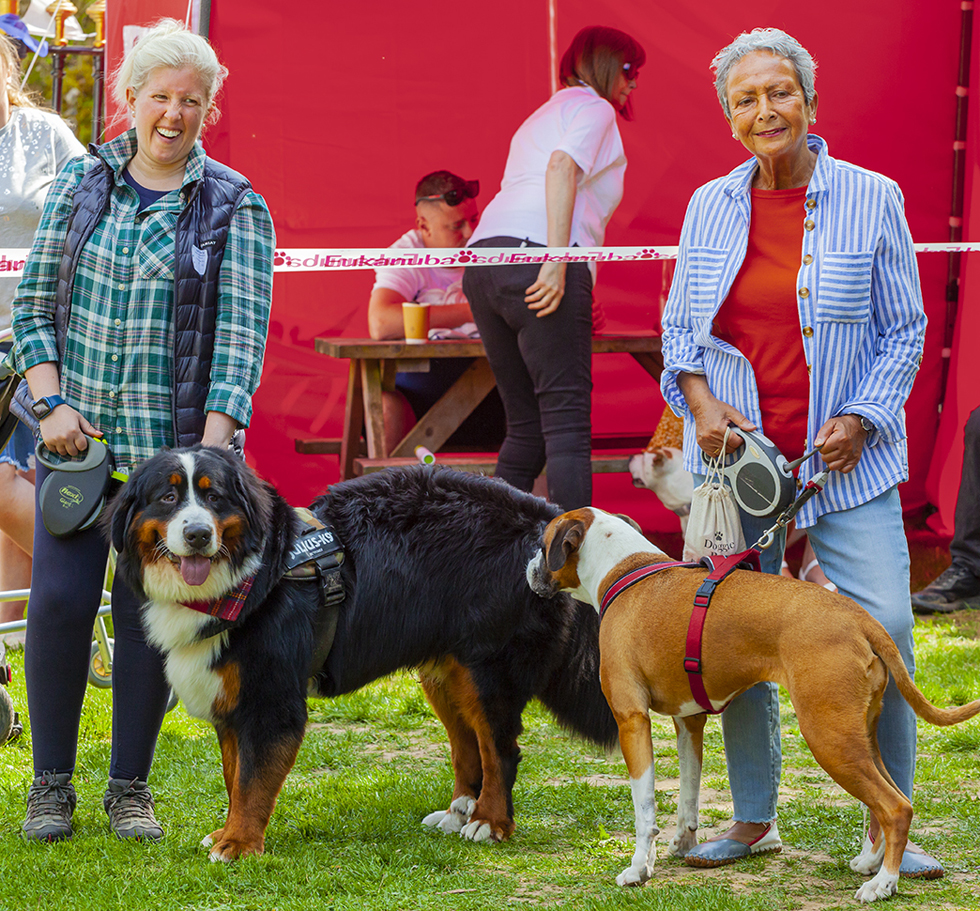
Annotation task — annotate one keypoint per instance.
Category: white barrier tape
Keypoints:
(312, 259)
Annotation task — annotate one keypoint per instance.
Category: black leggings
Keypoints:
(65, 587)
(543, 369)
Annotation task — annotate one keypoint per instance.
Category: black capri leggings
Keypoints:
(66, 584)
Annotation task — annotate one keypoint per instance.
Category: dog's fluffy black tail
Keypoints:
(572, 692)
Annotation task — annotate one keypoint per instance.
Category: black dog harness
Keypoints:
(720, 568)
(316, 556)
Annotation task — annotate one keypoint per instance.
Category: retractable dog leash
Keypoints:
(74, 494)
(810, 489)
(763, 484)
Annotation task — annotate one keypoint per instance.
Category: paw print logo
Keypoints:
(279, 259)
(718, 535)
(464, 257)
(646, 254)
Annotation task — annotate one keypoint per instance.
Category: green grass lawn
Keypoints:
(346, 833)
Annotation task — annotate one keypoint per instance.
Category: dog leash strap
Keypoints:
(719, 567)
(631, 578)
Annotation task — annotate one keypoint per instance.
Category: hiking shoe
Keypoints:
(130, 808)
(50, 803)
(947, 592)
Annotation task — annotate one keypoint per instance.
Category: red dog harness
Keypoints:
(719, 567)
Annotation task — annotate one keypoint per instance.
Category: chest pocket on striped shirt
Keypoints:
(156, 252)
(845, 288)
(705, 266)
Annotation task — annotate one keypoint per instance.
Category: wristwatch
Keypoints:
(866, 425)
(43, 406)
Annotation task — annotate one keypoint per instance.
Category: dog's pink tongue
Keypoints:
(195, 569)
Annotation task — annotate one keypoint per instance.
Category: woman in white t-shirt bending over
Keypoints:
(563, 181)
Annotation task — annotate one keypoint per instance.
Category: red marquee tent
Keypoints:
(334, 111)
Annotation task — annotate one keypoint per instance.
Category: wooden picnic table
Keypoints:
(372, 369)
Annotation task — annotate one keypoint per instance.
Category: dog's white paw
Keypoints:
(634, 876)
(869, 860)
(207, 841)
(682, 842)
(452, 820)
(477, 831)
(883, 885)
(435, 819)
(460, 813)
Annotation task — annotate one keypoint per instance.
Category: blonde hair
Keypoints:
(10, 61)
(169, 43)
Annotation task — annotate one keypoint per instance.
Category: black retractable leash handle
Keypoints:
(74, 494)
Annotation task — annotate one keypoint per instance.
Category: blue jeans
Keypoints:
(864, 552)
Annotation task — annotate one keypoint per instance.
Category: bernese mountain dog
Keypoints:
(433, 578)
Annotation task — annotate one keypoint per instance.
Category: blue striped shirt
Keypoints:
(861, 317)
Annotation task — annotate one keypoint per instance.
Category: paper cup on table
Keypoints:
(416, 318)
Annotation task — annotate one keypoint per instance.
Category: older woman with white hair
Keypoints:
(141, 319)
(796, 308)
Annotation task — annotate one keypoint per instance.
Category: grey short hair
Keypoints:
(170, 43)
(775, 41)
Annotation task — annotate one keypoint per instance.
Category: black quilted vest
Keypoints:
(199, 246)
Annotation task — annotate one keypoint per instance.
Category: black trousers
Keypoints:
(543, 369)
(965, 546)
(66, 585)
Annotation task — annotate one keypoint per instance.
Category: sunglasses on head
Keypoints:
(469, 190)
(630, 70)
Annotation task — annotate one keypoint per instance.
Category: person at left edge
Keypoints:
(150, 244)
(34, 146)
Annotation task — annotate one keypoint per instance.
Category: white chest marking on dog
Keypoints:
(174, 628)
(189, 672)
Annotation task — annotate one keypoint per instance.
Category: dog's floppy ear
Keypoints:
(567, 538)
(629, 521)
(122, 510)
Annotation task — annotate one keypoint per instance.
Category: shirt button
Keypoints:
(808, 224)
(807, 331)
(118, 322)
(804, 292)
(119, 430)
(811, 203)
(807, 370)
(807, 260)
(122, 287)
(115, 357)
(125, 249)
(112, 394)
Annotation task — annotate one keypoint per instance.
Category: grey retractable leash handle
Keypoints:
(761, 479)
(763, 484)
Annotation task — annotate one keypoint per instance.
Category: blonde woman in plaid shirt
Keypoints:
(110, 375)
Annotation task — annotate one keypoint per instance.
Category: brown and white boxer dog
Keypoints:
(832, 657)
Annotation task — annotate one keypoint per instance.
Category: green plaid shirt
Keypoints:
(118, 359)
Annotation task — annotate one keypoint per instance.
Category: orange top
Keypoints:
(761, 319)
